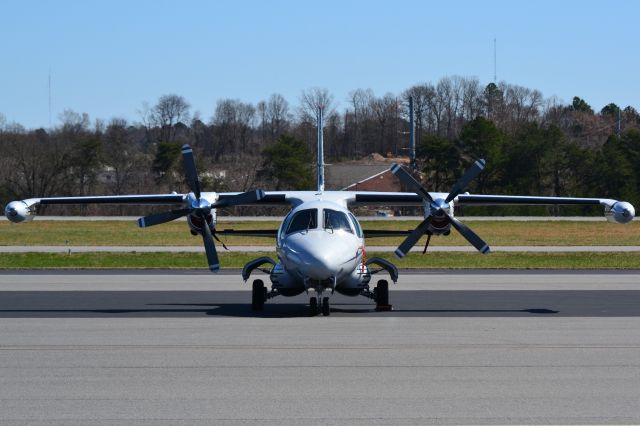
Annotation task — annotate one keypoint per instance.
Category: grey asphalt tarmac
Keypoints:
(460, 348)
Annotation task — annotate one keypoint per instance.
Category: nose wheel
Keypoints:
(315, 307)
(326, 308)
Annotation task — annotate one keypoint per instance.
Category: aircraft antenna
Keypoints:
(320, 165)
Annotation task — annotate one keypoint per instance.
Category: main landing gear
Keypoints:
(258, 295)
(315, 307)
(380, 294)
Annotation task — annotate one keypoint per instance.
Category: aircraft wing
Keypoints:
(615, 211)
(220, 198)
(160, 199)
(408, 199)
(392, 199)
(496, 200)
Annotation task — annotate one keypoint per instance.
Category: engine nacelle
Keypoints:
(18, 211)
(620, 212)
(196, 223)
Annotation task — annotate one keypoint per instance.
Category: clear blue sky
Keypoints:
(108, 57)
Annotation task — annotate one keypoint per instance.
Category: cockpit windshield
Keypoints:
(335, 220)
(303, 220)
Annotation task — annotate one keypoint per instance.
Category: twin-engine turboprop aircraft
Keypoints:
(320, 244)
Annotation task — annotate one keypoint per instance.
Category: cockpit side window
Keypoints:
(336, 220)
(356, 225)
(303, 220)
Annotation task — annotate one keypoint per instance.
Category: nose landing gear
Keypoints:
(315, 306)
(326, 308)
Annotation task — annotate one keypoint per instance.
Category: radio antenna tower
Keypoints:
(495, 61)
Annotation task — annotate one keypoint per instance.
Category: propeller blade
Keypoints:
(470, 236)
(464, 181)
(210, 247)
(190, 170)
(410, 181)
(413, 238)
(244, 198)
(157, 219)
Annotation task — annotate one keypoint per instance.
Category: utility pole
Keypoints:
(618, 129)
(49, 98)
(412, 136)
(495, 63)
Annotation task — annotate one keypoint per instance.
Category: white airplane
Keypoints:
(320, 244)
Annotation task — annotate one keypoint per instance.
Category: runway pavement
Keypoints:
(474, 347)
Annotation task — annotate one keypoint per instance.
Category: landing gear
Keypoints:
(381, 293)
(313, 306)
(258, 295)
(326, 307)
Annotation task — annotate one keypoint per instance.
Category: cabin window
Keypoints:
(303, 220)
(336, 220)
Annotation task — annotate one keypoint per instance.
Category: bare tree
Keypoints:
(385, 111)
(233, 121)
(277, 116)
(125, 164)
(422, 96)
(74, 123)
(38, 164)
(312, 100)
(169, 111)
(360, 101)
(523, 105)
(471, 98)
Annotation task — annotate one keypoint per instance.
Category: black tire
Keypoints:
(326, 307)
(258, 295)
(313, 306)
(382, 293)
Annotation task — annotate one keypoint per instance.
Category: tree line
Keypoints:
(532, 144)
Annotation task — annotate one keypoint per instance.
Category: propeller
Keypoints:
(440, 208)
(200, 207)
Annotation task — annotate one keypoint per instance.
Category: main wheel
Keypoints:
(258, 295)
(326, 307)
(313, 306)
(382, 293)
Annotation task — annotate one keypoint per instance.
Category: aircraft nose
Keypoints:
(321, 256)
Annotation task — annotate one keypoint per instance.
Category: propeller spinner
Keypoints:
(439, 208)
(200, 208)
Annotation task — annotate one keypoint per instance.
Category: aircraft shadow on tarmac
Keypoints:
(288, 310)
(152, 304)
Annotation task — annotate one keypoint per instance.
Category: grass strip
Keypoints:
(435, 260)
(497, 233)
